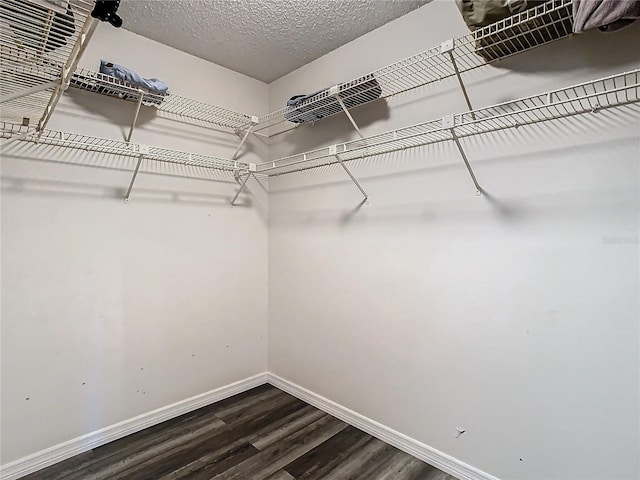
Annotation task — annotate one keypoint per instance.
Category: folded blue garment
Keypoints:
(153, 85)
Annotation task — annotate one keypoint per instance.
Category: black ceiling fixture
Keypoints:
(105, 10)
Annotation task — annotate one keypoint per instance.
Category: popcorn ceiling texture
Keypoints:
(264, 39)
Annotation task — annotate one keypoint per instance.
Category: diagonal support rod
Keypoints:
(466, 161)
(133, 179)
(244, 139)
(462, 87)
(353, 179)
(135, 116)
(346, 111)
(242, 185)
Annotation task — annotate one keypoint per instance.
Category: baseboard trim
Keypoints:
(50, 456)
(413, 447)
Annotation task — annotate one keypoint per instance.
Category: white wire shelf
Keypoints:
(40, 44)
(121, 148)
(174, 104)
(534, 27)
(612, 91)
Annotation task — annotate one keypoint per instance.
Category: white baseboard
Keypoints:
(50, 456)
(413, 447)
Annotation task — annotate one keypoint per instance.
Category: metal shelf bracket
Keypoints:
(447, 48)
(346, 110)
(135, 116)
(243, 184)
(142, 150)
(333, 150)
(448, 122)
(254, 122)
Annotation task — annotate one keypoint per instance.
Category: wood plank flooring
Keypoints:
(262, 434)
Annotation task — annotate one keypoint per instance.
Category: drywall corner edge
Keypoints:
(44, 458)
(413, 447)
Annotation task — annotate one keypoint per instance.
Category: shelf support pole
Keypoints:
(254, 122)
(135, 116)
(353, 179)
(466, 161)
(447, 47)
(242, 185)
(462, 86)
(346, 111)
(143, 149)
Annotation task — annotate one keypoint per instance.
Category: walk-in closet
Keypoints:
(320, 240)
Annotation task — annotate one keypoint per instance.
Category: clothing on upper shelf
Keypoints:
(153, 85)
(606, 15)
(480, 13)
(362, 90)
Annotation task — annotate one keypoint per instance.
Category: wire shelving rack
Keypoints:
(41, 42)
(170, 103)
(592, 96)
(531, 28)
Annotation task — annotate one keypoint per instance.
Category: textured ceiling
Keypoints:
(264, 39)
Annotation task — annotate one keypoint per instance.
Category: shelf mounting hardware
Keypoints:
(254, 122)
(135, 116)
(141, 150)
(333, 150)
(333, 91)
(447, 47)
(448, 122)
(250, 173)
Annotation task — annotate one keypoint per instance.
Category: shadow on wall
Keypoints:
(67, 156)
(84, 190)
(423, 165)
(333, 129)
(119, 112)
(174, 127)
(24, 181)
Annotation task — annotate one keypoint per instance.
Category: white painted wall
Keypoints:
(112, 310)
(513, 316)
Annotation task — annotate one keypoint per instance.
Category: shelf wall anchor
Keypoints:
(333, 148)
(135, 116)
(143, 149)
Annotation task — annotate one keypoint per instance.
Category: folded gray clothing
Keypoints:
(352, 94)
(607, 15)
(153, 85)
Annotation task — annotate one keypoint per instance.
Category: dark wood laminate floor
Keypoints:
(262, 434)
